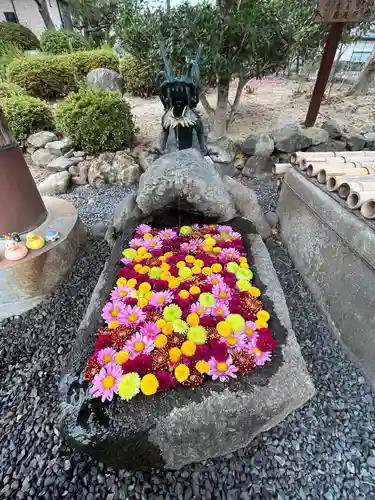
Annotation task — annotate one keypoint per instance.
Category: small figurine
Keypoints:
(14, 250)
(16, 237)
(34, 241)
(52, 235)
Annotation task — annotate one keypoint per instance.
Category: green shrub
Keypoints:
(10, 89)
(27, 115)
(60, 41)
(18, 35)
(139, 76)
(84, 61)
(8, 52)
(97, 120)
(42, 76)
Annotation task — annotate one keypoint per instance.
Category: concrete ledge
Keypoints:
(182, 426)
(26, 283)
(335, 253)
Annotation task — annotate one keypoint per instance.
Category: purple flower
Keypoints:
(260, 357)
(220, 309)
(153, 244)
(111, 311)
(121, 293)
(188, 247)
(214, 279)
(161, 299)
(143, 229)
(136, 243)
(138, 344)
(167, 234)
(229, 254)
(222, 370)
(105, 383)
(131, 316)
(235, 341)
(197, 308)
(106, 355)
(150, 329)
(221, 292)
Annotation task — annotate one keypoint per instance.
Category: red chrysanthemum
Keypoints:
(166, 380)
(195, 379)
(92, 369)
(265, 343)
(218, 350)
(212, 333)
(120, 335)
(250, 303)
(103, 340)
(243, 360)
(202, 353)
(160, 358)
(142, 364)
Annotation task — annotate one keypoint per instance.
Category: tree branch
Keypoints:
(242, 81)
(207, 106)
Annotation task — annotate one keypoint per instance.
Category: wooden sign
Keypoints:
(345, 11)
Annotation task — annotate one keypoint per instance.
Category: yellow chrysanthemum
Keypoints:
(174, 354)
(137, 267)
(181, 264)
(160, 341)
(195, 290)
(144, 287)
(190, 259)
(142, 302)
(149, 384)
(254, 291)
(121, 282)
(121, 357)
(261, 324)
(216, 268)
(223, 328)
(192, 319)
(129, 386)
(160, 323)
(167, 328)
(147, 236)
(142, 250)
(182, 373)
(188, 348)
(184, 294)
(202, 366)
(113, 324)
(263, 315)
(132, 283)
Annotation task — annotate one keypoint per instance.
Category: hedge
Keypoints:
(18, 35)
(10, 89)
(60, 41)
(84, 61)
(139, 76)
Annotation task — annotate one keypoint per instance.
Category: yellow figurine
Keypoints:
(34, 241)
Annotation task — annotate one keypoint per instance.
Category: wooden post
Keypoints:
(328, 58)
(21, 206)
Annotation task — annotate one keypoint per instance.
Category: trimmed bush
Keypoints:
(8, 52)
(139, 76)
(27, 115)
(84, 61)
(96, 120)
(43, 76)
(10, 89)
(60, 41)
(18, 35)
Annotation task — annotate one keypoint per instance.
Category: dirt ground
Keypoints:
(272, 104)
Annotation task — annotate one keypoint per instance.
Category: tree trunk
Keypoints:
(44, 12)
(365, 78)
(220, 118)
(242, 81)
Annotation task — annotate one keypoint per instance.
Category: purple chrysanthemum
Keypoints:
(198, 309)
(131, 316)
(112, 310)
(105, 383)
(214, 279)
(138, 344)
(220, 309)
(229, 254)
(153, 244)
(222, 370)
(143, 229)
(161, 299)
(221, 292)
(188, 247)
(235, 341)
(260, 357)
(136, 243)
(106, 355)
(150, 329)
(121, 293)
(167, 234)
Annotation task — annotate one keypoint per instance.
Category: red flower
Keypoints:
(103, 340)
(202, 352)
(208, 321)
(266, 343)
(93, 368)
(142, 364)
(243, 360)
(166, 380)
(218, 350)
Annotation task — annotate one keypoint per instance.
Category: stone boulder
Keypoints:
(370, 140)
(317, 135)
(79, 172)
(107, 79)
(185, 177)
(55, 184)
(356, 142)
(258, 166)
(59, 164)
(330, 145)
(259, 145)
(182, 426)
(42, 157)
(291, 138)
(59, 148)
(333, 128)
(40, 139)
(113, 168)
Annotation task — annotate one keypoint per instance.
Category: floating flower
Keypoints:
(263, 315)
(174, 354)
(121, 357)
(260, 357)
(143, 229)
(139, 344)
(129, 386)
(188, 247)
(232, 267)
(160, 340)
(255, 292)
(155, 272)
(188, 348)
(243, 360)
(221, 292)
(92, 369)
(235, 340)
(181, 372)
(136, 243)
(186, 230)
(202, 366)
(131, 316)
(121, 293)
(150, 329)
(229, 254)
(222, 370)
(161, 299)
(244, 274)
(106, 355)
(266, 343)
(112, 310)
(220, 309)
(153, 244)
(167, 234)
(197, 334)
(160, 358)
(172, 312)
(105, 383)
(180, 326)
(236, 322)
(207, 300)
(198, 309)
(194, 379)
(250, 328)
(214, 279)
(149, 384)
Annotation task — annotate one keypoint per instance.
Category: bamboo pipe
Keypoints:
(354, 183)
(296, 157)
(314, 168)
(334, 181)
(281, 168)
(355, 170)
(368, 209)
(337, 160)
(357, 198)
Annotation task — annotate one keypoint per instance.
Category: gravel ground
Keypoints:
(324, 451)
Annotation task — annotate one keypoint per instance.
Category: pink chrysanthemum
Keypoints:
(112, 311)
(106, 355)
(226, 229)
(250, 330)
(136, 243)
(235, 341)
(222, 370)
(221, 292)
(234, 235)
(153, 244)
(220, 309)
(105, 383)
(131, 316)
(229, 254)
(150, 329)
(260, 357)
(197, 308)
(139, 344)
(143, 229)
(121, 293)
(167, 234)
(188, 247)
(161, 299)
(198, 243)
(214, 279)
